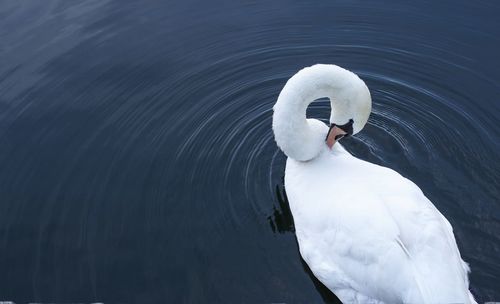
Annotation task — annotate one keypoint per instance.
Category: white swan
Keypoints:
(367, 233)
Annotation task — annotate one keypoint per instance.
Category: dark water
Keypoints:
(137, 158)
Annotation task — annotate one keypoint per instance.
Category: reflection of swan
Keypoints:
(369, 234)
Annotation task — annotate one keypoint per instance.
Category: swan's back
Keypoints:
(370, 234)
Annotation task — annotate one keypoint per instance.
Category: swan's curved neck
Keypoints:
(301, 138)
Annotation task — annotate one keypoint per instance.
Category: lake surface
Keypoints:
(137, 159)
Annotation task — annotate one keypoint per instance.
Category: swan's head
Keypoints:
(337, 132)
(351, 106)
(302, 139)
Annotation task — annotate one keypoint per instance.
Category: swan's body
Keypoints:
(367, 233)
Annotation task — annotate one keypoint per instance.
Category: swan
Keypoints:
(366, 232)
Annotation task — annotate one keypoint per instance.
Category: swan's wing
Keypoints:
(431, 255)
(382, 238)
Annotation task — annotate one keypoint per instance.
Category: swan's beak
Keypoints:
(334, 135)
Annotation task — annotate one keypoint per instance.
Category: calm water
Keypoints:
(137, 159)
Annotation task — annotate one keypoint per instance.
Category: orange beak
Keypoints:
(334, 135)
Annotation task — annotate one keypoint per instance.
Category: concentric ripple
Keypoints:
(138, 159)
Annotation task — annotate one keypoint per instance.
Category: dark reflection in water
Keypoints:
(281, 220)
(138, 161)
